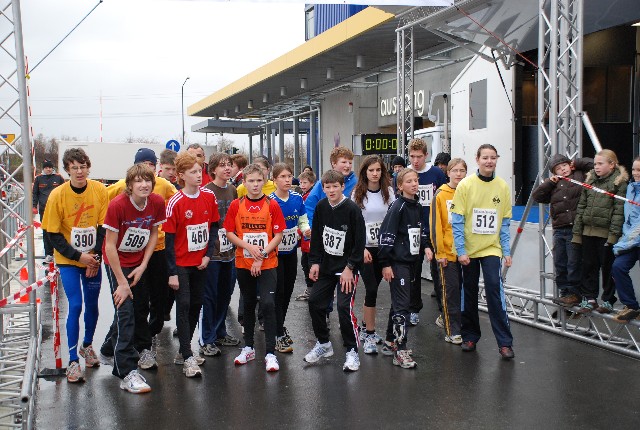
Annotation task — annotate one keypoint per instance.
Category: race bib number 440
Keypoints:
(197, 236)
(333, 241)
(425, 194)
(134, 239)
(83, 239)
(485, 221)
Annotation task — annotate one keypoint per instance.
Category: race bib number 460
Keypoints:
(425, 194)
(333, 241)
(134, 240)
(373, 233)
(197, 236)
(485, 221)
(260, 239)
(83, 239)
(289, 239)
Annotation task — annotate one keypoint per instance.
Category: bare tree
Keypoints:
(224, 144)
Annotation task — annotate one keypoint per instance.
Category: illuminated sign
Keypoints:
(379, 144)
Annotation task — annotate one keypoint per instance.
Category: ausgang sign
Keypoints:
(389, 106)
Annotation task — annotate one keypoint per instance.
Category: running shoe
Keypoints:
(283, 346)
(89, 355)
(403, 359)
(626, 314)
(605, 308)
(468, 346)
(74, 372)
(179, 359)
(440, 321)
(370, 346)
(210, 350)
(106, 359)
(567, 301)
(455, 339)
(304, 296)
(362, 332)
(147, 360)
(414, 318)
(190, 367)
(351, 362)
(247, 354)
(135, 383)
(506, 352)
(586, 306)
(271, 363)
(388, 348)
(287, 338)
(319, 351)
(227, 340)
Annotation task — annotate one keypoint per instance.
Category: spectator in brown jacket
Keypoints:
(563, 197)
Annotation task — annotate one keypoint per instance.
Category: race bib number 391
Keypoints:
(83, 239)
(333, 241)
(197, 236)
(425, 194)
(485, 221)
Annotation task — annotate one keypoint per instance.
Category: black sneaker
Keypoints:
(506, 352)
(468, 346)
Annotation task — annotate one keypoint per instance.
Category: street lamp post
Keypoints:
(185, 81)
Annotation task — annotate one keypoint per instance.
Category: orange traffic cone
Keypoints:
(24, 274)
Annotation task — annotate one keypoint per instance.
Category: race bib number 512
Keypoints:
(485, 221)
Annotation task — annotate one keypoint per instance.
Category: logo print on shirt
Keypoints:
(254, 208)
(188, 214)
(78, 214)
(496, 200)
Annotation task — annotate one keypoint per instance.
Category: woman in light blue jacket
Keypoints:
(627, 250)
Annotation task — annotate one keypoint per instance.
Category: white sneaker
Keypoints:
(440, 321)
(135, 383)
(352, 361)
(370, 346)
(456, 339)
(271, 363)
(247, 354)
(179, 360)
(190, 367)
(106, 359)
(147, 360)
(318, 351)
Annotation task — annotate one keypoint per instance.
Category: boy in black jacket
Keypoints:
(402, 237)
(336, 255)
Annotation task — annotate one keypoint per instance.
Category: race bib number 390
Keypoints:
(485, 221)
(333, 241)
(134, 240)
(83, 239)
(259, 239)
(425, 194)
(197, 236)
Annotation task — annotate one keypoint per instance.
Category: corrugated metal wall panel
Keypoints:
(328, 15)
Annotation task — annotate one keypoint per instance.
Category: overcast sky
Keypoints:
(137, 53)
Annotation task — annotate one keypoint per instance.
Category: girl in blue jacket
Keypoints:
(627, 250)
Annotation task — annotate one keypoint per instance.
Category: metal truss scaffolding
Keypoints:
(560, 119)
(19, 326)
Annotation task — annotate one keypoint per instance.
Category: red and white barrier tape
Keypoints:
(56, 315)
(19, 233)
(599, 190)
(26, 290)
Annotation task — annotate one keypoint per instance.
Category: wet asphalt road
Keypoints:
(552, 383)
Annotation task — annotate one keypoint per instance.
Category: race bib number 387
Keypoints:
(333, 241)
(485, 221)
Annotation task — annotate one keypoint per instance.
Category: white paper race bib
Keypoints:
(333, 241)
(449, 203)
(485, 221)
(197, 236)
(134, 239)
(225, 243)
(373, 233)
(260, 239)
(83, 239)
(425, 194)
(289, 239)
(414, 240)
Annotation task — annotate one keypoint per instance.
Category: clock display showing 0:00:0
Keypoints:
(379, 144)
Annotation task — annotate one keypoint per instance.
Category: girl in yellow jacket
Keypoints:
(445, 252)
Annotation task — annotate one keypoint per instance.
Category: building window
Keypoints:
(607, 93)
(309, 22)
(478, 105)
